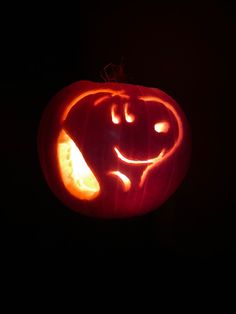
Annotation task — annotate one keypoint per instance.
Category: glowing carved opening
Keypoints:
(161, 127)
(137, 162)
(177, 142)
(76, 175)
(115, 118)
(100, 100)
(112, 92)
(151, 163)
(129, 117)
(124, 179)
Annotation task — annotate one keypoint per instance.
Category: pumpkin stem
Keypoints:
(113, 72)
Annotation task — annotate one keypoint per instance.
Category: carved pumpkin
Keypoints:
(113, 150)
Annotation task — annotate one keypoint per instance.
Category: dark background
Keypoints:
(188, 51)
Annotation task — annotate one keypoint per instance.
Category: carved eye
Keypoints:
(114, 116)
(162, 127)
(129, 117)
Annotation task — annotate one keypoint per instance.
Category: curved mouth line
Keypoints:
(138, 162)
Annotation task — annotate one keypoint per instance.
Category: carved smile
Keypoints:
(126, 182)
(138, 162)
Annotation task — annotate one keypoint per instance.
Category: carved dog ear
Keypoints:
(76, 175)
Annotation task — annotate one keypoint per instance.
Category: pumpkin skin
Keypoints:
(113, 150)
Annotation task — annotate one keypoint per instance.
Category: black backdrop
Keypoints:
(186, 50)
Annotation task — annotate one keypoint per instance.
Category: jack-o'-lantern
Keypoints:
(113, 150)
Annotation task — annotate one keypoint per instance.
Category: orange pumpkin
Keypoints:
(113, 150)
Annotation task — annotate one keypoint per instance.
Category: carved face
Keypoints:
(116, 149)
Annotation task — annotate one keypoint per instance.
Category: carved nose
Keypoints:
(161, 127)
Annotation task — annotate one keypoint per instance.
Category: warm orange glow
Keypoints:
(124, 179)
(129, 117)
(76, 175)
(92, 92)
(177, 142)
(100, 100)
(157, 161)
(115, 118)
(161, 127)
(134, 161)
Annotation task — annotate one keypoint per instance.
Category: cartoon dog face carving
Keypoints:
(120, 150)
